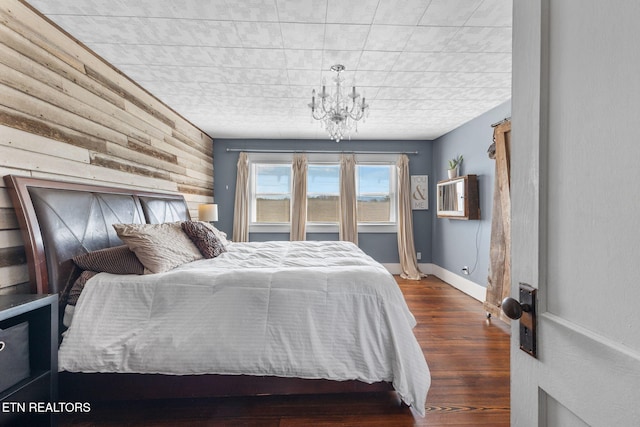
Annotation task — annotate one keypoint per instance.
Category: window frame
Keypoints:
(256, 159)
(321, 159)
(323, 226)
(392, 224)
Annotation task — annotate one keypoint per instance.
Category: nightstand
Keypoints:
(41, 311)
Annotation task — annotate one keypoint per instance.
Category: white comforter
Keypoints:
(291, 309)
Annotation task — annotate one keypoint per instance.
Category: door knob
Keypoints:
(524, 311)
(513, 309)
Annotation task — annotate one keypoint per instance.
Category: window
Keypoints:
(271, 193)
(375, 186)
(270, 198)
(323, 193)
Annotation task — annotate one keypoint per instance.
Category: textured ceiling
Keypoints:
(246, 68)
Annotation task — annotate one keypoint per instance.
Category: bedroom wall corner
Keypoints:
(66, 114)
(458, 243)
(459, 282)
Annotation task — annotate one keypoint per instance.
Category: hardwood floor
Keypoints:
(468, 357)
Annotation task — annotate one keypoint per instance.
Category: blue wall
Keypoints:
(448, 243)
(383, 247)
(459, 243)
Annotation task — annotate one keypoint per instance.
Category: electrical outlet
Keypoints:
(419, 255)
(465, 270)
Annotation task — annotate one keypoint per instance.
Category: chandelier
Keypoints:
(338, 112)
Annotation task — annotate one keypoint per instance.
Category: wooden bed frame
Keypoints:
(60, 220)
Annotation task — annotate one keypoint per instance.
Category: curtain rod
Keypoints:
(249, 150)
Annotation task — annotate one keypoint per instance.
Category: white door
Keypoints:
(575, 188)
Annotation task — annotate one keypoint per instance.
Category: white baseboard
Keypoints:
(393, 268)
(459, 282)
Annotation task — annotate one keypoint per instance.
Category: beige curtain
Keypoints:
(241, 205)
(348, 199)
(299, 198)
(406, 247)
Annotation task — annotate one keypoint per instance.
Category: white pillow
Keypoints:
(159, 247)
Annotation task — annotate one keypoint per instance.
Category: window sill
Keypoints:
(269, 228)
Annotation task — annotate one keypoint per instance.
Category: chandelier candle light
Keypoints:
(336, 113)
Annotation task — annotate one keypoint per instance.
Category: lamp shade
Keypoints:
(208, 212)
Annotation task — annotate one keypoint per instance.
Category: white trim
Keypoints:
(256, 227)
(461, 283)
(378, 227)
(393, 268)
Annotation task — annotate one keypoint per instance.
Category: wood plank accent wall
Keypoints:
(67, 114)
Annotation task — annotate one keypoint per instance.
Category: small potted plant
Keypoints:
(454, 164)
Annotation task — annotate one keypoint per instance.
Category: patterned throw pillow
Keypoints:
(221, 235)
(116, 260)
(78, 286)
(159, 247)
(204, 238)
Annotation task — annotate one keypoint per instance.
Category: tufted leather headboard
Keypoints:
(60, 220)
(158, 209)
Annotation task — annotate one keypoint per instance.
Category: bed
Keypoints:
(260, 318)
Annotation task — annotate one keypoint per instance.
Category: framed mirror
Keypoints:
(457, 198)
